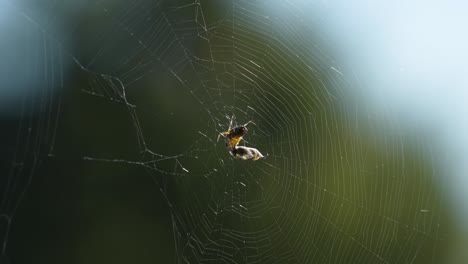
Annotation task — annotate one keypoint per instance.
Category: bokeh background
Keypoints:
(111, 110)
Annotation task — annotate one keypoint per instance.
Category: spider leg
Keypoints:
(250, 122)
(231, 121)
(222, 134)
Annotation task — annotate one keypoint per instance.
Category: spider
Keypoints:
(233, 136)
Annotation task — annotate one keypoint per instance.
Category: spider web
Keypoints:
(150, 85)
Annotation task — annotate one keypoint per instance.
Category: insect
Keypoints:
(233, 136)
(246, 153)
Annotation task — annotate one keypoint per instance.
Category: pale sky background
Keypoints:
(412, 58)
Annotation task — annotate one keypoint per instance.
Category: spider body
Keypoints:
(233, 136)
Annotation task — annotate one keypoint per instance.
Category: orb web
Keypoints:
(169, 75)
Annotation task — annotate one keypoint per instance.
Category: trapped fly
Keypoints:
(246, 153)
